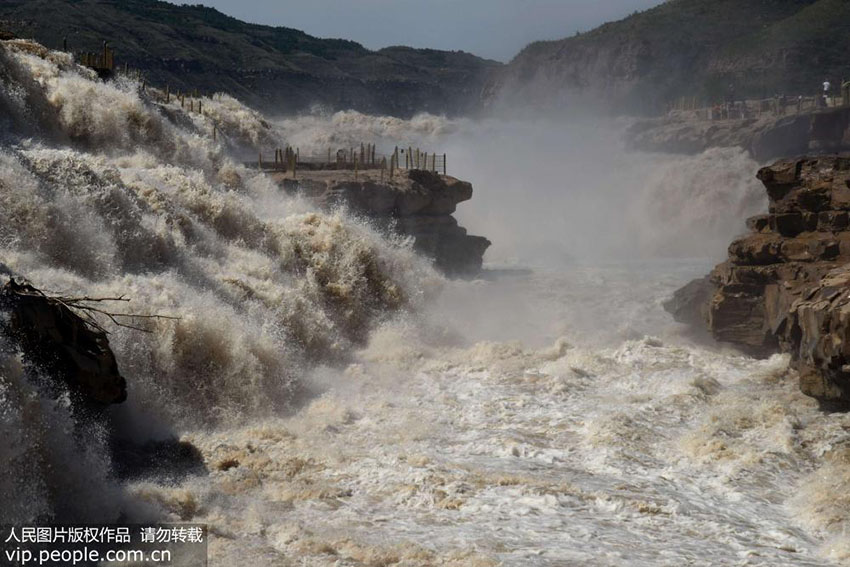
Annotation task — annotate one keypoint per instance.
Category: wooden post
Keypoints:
(373, 154)
(191, 106)
(199, 107)
(444, 164)
(434, 162)
(167, 94)
(294, 165)
(355, 168)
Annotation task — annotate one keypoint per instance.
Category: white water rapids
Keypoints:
(354, 408)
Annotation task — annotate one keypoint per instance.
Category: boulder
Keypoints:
(689, 304)
(59, 342)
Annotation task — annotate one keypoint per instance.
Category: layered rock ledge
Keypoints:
(786, 284)
(415, 203)
(765, 137)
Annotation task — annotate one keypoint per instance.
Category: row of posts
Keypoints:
(777, 105)
(193, 96)
(106, 61)
(366, 155)
(100, 61)
(288, 158)
(284, 158)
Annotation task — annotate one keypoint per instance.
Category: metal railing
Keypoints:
(755, 108)
(357, 159)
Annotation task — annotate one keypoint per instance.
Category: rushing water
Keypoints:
(351, 406)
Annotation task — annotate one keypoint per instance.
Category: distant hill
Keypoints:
(687, 48)
(274, 68)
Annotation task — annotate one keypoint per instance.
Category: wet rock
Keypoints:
(689, 304)
(165, 460)
(58, 341)
(816, 331)
(786, 285)
(415, 203)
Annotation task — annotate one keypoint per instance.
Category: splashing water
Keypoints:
(354, 408)
(128, 199)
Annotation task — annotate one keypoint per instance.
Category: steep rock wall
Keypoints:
(786, 284)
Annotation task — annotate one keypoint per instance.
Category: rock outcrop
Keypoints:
(766, 137)
(62, 344)
(786, 284)
(415, 203)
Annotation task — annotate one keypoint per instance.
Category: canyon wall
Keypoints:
(785, 286)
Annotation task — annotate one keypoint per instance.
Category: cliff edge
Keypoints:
(414, 203)
(765, 136)
(786, 284)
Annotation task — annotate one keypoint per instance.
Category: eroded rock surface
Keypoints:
(786, 285)
(416, 203)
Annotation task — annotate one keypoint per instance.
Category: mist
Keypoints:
(553, 190)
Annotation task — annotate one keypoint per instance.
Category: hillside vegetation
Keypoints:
(276, 68)
(692, 48)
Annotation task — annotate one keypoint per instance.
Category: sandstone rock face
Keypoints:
(786, 284)
(817, 333)
(416, 203)
(56, 340)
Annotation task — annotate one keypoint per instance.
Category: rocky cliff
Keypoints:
(766, 137)
(415, 203)
(786, 284)
(276, 69)
(692, 48)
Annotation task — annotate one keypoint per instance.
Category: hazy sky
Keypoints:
(497, 29)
